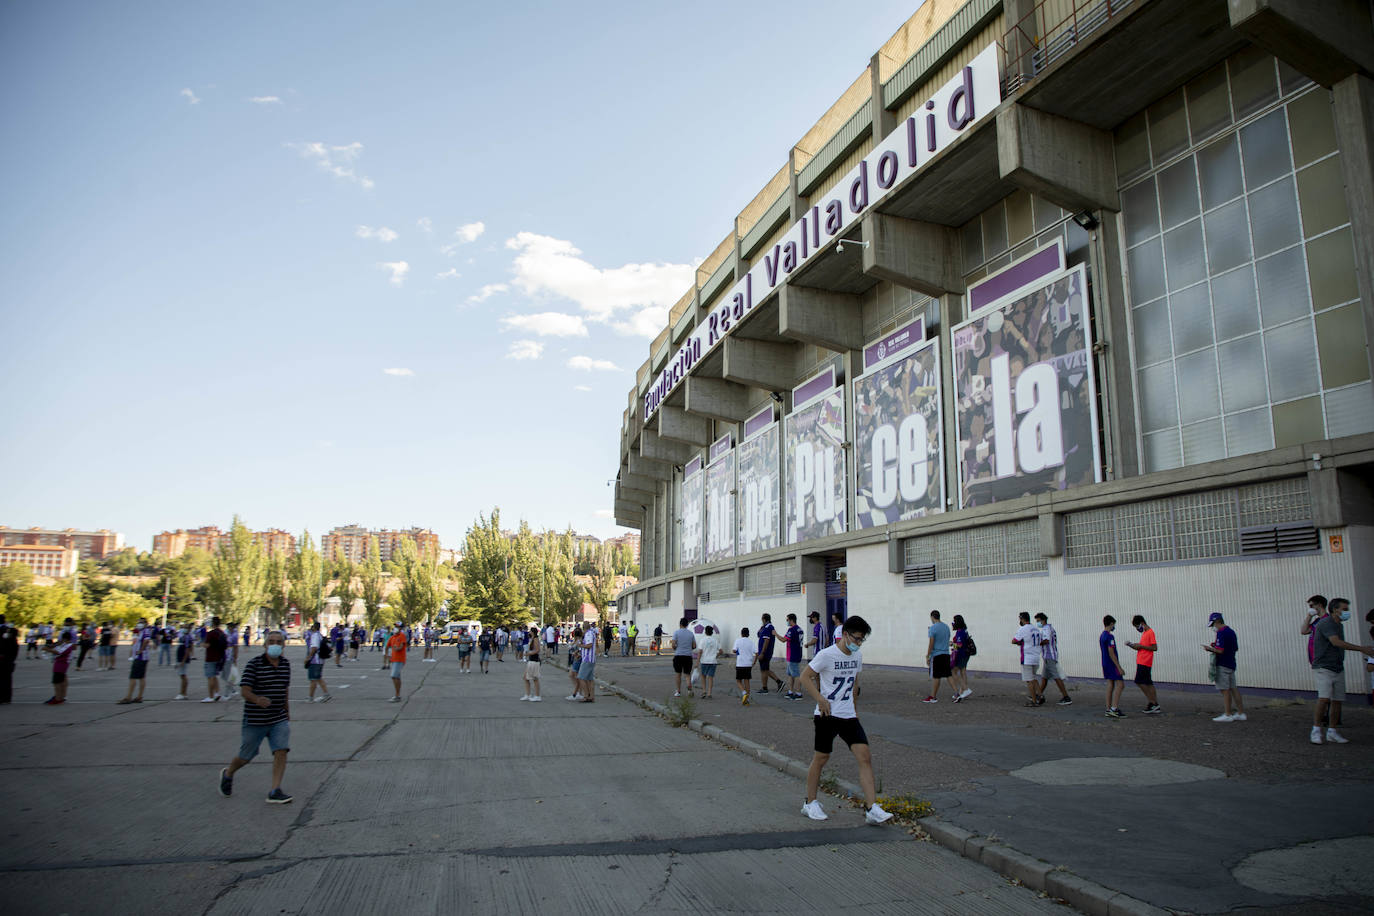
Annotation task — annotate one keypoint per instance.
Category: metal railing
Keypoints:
(1036, 41)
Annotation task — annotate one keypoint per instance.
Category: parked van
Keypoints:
(454, 627)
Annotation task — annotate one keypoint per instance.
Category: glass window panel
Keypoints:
(1190, 313)
(995, 230)
(1209, 103)
(1321, 193)
(1228, 237)
(1291, 355)
(1219, 166)
(973, 242)
(1019, 216)
(1290, 79)
(1132, 148)
(1242, 374)
(1282, 287)
(1198, 397)
(1234, 307)
(1168, 127)
(1341, 346)
(1297, 422)
(1076, 242)
(1158, 407)
(1311, 127)
(1350, 411)
(1163, 451)
(1203, 442)
(1252, 81)
(1046, 213)
(1146, 263)
(1152, 333)
(1183, 255)
(1140, 213)
(1264, 149)
(1249, 432)
(1178, 193)
(1331, 265)
(1274, 217)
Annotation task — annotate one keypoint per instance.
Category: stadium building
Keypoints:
(1062, 306)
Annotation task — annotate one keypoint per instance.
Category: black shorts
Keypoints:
(939, 666)
(59, 677)
(848, 730)
(682, 664)
(1142, 675)
(743, 674)
(765, 662)
(138, 669)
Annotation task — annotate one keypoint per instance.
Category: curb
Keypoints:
(1037, 874)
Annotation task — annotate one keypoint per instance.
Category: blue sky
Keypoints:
(393, 264)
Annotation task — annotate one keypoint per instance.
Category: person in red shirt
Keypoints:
(396, 655)
(1144, 663)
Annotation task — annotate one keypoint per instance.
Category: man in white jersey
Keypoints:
(830, 679)
(1028, 637)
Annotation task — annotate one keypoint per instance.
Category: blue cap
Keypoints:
(1213, 618)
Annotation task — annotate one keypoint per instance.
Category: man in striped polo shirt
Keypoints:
(266, 714)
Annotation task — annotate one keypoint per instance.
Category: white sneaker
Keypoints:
(536, 699)
(1335, 737)
(876, 815)
(966, 694)
(572, 696)
(208, 700)
(676, 695)
(1223, 718)
(180, 696)
(813, 810)
(1316, 737)
(1238, 717)
(525, 697)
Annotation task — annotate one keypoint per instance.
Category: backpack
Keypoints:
(969, 645)
(325, 649)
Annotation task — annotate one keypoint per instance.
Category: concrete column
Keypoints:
(634, 497)
(830, 320)
(925, 257)
(680, 426)
(1020, 38)
(1064, 161)
(796, 203)
(641, 466)
(884, 121)
(1354, 114)
(1051, 534)
(760, 363)
(1117, 379)
(717, 398)
(636, 482)
(951, 311)
(651, 445)
(1328, 41)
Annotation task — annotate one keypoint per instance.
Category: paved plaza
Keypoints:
(460, 799)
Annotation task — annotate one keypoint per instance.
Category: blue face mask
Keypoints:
(274, 651)
(1345, 615)
(852, 647)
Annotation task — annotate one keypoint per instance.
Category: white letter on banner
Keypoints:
(1040, 439)
(751, 513)
(825, 485)
(884, 478)
(911, 457)
(1003, 430)
(802, 480)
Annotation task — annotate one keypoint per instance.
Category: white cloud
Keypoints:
(381, 234)
(265, 100)
(587, 364)
(525, 349)
(547, 324)
(554, 267)
(486, 292)
(465, 234)
(398, 269)
(336, 160)
(399, 371)
(189, 96)
(450, 274)
(582, 387)
(425, 224)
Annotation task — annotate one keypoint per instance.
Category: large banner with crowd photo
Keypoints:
(720, 502)
(1025, 393)
(815, 463)
(689, 507)
(897, 431)
(759, 493)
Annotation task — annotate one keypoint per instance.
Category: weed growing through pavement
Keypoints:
(830, 783)
(906, 807)
(681, 710)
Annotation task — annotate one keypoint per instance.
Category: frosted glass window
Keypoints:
(1264, 149)
(1274, 217)
(1197, 387)
(1146, 264)
(1163, 451)
(1178, 193)
(1152, 333)
(1282, 287)
(1312, 127)
(1219, 166)
(1132, 148)
(1168, 127)
(973, 242)
(1331, 268)
(1183, 255)
(1158, 408)
(1252, 81)
(1291, 353)
(1209, 103)
(1076, 243)
(1249, 432)
(1321, 188)
(1190, 312)
(1234, 307)
(995, 230)
(1291, 80)
(1046, 213)
(1203, 442)
(1350, 411)
(1228, 237)
(1141, 215)
(1241, 363)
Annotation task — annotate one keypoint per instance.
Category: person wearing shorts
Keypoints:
(532, 670)
(937, 655)
(396, 656)
(1224, 646)
(1145, 651)
(767, 637)
(574, 665)
(744, 664)
(684, 644)
(139, 651)
(709, 647)
(1049, 654)
(465, 651)
(587, 672)
(1112, 672)
(186, 651)
(792, 640)
(314, 665)
(1028, 637)
(831, 678)
(265, 688)
(1328, 670)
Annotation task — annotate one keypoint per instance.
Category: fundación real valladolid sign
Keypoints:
(962, 102)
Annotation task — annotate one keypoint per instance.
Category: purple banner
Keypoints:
(1042, 263)
(813, 387)
(691, 467)
(907, 337)
(898, 449)
(758, 422)
(815, 470)
(721, 446)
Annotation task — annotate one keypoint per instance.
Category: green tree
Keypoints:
(30, 604)
(176, 583)
(278, 597)
(306, 576)
(14, 577)
(372, 587)
(421, 592)
(490, 570)
(125, 607)
(122, 563)
(601, 589)
(237, 576)
(344, 591)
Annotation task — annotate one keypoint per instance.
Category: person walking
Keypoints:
(336, 639)
(502, 640)
(61, 654)
(484, 646)
(139, 649)
(657, 642)
(937, 655)
(623, 631)
(186, 646)
(1328, 669)
(315, 654)
(1224, 647)
(607, 637)
(830, 679)
(792, 641)
(465, 643)
(1145, 652)
(105, 650)
(768, 640)
(1049, 661)
(532, 669)
(378, 637)
(709, 648)
(215, 644)
(231, 655)
(684, 644)
(1112, 672)
(960, 644)
(9, 654)
(575, 665)
(265, 688)
(164, 649)
(396, 656)
(744, 664)
(633, 630)
(85, 642)
(587, 673)
(1028, 638)
(428, 635)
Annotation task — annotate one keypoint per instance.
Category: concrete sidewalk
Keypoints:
(462, 798)
(1176, 810)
